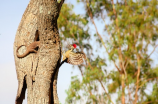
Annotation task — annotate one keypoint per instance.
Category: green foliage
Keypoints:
(76, 86)
(72, 25)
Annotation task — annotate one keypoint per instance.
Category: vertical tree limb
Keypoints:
(137, 84)
(60, 5)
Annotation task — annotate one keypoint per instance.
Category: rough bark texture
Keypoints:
(36, 71)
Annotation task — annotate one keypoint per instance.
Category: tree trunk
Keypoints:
(38, 71)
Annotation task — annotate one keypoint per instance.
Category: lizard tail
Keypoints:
(23, 55)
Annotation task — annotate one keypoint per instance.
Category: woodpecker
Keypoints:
(74, 58)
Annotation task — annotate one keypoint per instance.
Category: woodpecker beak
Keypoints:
(72, 48)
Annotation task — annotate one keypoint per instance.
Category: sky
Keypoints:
(11, 12)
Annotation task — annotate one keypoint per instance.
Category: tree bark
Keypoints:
(38, 71)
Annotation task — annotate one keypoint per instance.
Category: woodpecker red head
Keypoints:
(74, 45)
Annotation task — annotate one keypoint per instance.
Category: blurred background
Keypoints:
(119, 38)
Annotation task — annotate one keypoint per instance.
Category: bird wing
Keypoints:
(76, 58)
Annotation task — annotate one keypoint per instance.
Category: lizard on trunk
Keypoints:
(29, 49)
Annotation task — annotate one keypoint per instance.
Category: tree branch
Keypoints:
(106, 91)
(137, 85)
(103, 43)
(63, 62)
(152, 51)
(60, 5)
